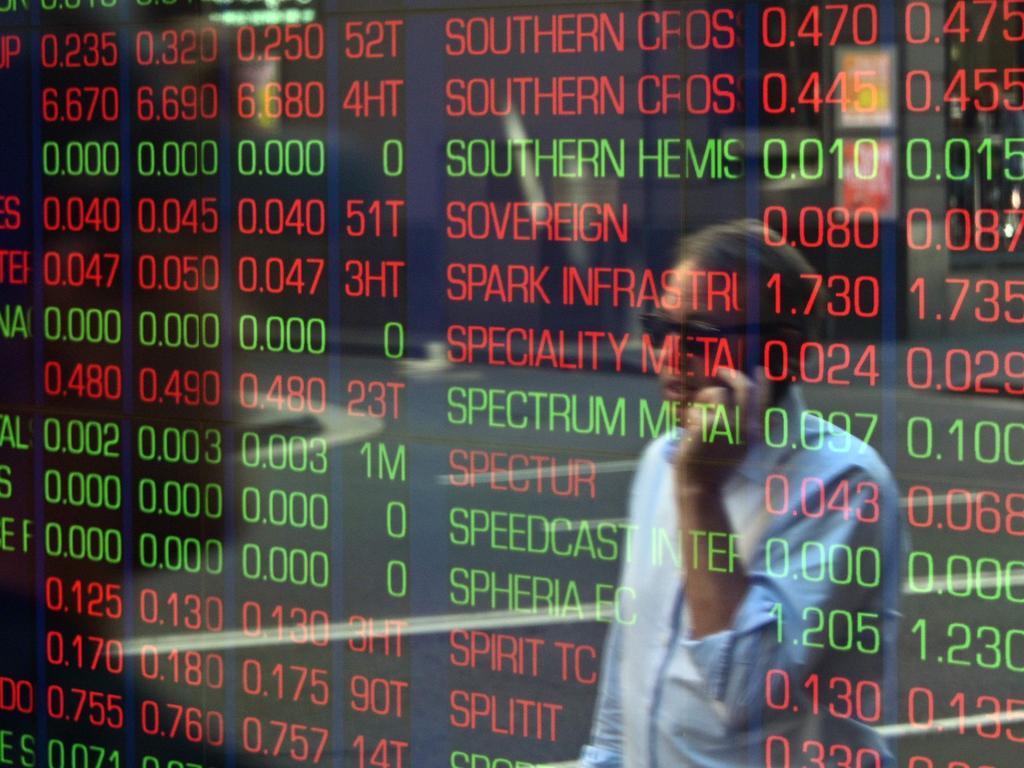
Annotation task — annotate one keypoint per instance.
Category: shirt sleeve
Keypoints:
(605, 747)
(606, 735)
(783, 600)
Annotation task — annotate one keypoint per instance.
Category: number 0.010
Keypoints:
(816, 160)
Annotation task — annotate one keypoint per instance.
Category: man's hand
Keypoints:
(702, 467)
(734, 399)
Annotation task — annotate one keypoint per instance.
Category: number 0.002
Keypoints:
(82, 438)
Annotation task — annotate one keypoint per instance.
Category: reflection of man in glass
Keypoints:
(765, 576)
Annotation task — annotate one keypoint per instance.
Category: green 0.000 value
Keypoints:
(81, 158)
(286, 565)
(83, 542)
(280, 508)
(82, 325)
(75, 488)
(180, 498)
(187, 159)
(281, 157)
(282, 334)
(186, 330)
(186, 554)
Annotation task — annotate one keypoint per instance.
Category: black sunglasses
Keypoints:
(659, 327)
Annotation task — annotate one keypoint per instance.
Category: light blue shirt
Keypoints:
(668, 700)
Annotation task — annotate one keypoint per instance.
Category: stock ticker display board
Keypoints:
(348, 348)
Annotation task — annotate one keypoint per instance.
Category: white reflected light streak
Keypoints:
(429, 625)
(341, 631)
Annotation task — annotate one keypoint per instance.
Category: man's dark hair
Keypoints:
(739, 244)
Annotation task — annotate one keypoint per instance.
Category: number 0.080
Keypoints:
(815, 226)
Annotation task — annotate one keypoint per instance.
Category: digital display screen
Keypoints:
(498, 385)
